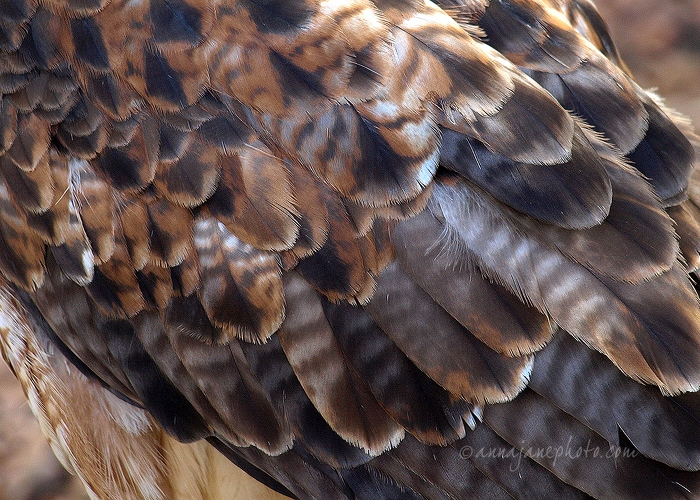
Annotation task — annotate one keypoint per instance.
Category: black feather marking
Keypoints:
(574, 195)
(156, 392)
(175, 21)
(420, 405)
(226, 132)
(279, 16)
(162, 80)
(89, 44)
(269, 364)
(16, 11)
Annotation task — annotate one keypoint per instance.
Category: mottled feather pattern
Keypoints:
(338, 243)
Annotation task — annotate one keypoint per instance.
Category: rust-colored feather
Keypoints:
(255, 199)
(241, 286)
(31, 143)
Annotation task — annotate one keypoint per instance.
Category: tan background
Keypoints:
(659, 39)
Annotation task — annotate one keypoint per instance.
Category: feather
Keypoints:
(513, 469)
(313, 220)
(70, 316)
(442, 59)
(337, 269)
(191, 178)
(132, 166)
(531, 127)
(603, 95)
(271, 367)
(53, 224)
(84, 131)
(28, 97)
(112, 95)
(613, 317)
(416, 402)
(186, 276)
(32, 191)
(31, 143)
(254, 199)
(687, 219)
(156, 285)
(134, 220)
(487, 310)
(439, 346)
(440, 468)
(241, 286)
(114, 287)
(241, 401)
(665, 155)
(74, 254)
(169, 232)
(559, 374)
(336, 391)
(151, 333)
(22, 252)
(612, 472)
(8, 123)
(534, 36)
(90, 48)
(94, 199)
(154, 390)
(574, 195)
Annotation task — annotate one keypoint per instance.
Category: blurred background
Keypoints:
(659, 40)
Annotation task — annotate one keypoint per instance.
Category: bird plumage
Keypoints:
(357, 249)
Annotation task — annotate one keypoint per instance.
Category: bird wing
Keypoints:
(364, 249)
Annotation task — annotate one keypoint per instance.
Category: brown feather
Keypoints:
(31, 143)
(441, 347)
(8, 123)
(114, 287)
(169, 231)
(687, 219)
(337, 269)
(614, 317)
(22, 251)
(255, 200)
(334, 389)
(241, 286)
(32, 190)
(95, 200)
(487, 310)
(192, 177)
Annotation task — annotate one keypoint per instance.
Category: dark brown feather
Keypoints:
(333, 387)
(254, 198)
(241, 286)
(440, 346)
